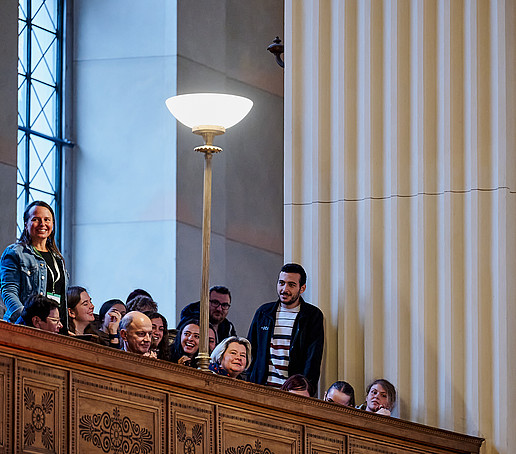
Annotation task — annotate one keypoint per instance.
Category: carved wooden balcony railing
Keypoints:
(63, 395)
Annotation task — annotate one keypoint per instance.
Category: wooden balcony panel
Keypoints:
(64, 395)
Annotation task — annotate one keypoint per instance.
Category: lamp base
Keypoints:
(203, 361)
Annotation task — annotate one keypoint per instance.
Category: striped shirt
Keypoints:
(280, 345)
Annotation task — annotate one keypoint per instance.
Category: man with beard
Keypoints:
(287, 335)
(220, 302)
(136, 333)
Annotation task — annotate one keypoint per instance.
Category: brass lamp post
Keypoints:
(209, 115)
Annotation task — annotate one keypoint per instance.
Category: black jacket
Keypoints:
(225, 329)
(306, 346)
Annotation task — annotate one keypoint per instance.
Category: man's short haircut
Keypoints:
(295, 268)
(37, 305)
(222, 290)
(137, 292)
(220, 349)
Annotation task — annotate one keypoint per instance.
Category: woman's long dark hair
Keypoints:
(164, 345)
(25, 238)
(73, 296)
(176, 349)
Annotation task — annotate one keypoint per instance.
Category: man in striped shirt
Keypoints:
(287, 335)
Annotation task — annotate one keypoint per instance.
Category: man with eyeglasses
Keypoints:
(42, 313)
(220, 302)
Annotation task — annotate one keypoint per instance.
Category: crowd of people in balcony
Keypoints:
(283, 348)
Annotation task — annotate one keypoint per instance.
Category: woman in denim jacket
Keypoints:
(34, 264)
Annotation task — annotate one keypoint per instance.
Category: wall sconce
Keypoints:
(277, 48)
(209, 115)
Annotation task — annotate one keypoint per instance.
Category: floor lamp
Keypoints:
(209, 115)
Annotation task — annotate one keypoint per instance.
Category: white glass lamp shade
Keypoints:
(209, 109)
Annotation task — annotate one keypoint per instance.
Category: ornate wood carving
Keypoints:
(116, 418)
(191, 430)
(41, 412)
(243, 432)
(115, 433)
(6, 407)
(59, 394)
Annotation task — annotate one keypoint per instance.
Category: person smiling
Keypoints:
(34, 265)
(159, 342)
(186, 343)
(231, 357)
(80, 311)
(287, 335)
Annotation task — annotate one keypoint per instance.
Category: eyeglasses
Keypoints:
(217, 303)
(54, 319)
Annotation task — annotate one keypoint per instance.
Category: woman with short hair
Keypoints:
(231, 357)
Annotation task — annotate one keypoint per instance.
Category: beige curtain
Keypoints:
(400, 134)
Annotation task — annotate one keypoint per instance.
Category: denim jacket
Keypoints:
(22, 273)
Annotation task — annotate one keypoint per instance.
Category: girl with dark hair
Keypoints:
(341, 392)
(34, 264)
(298, 384)
(186, 343)
(110, 314)
(159, 341)
(80, 311)
(381, 397)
